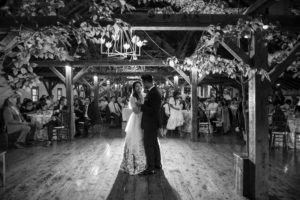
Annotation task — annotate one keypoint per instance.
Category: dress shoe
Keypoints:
(147, 172)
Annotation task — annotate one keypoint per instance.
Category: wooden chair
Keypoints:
(62, 132)
(204, 126)
(2, 156)
(279, 129)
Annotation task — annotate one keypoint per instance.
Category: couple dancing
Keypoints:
(141, 152)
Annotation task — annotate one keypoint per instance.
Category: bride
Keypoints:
(134, 158)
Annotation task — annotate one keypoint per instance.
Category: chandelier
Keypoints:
(122, 43)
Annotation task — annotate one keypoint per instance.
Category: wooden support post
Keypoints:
(258, 125)
(69, 94)
(96, 108)
(194, 78)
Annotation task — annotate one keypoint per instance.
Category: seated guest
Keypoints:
(43, 107)
(102, 108)
(56, 118)
(27, 108)
(79, 115)
(286, 106)
(88, 113)
(120, 103)
(14, 122)
(50, 102)
(23, 105)
(297, 111)
(212, 108)
(115, 113)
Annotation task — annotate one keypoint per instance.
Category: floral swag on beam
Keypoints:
(206, 61)
(63, 42)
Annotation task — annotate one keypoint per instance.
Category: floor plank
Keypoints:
(89, 169)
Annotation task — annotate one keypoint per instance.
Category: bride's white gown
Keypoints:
(134, 158)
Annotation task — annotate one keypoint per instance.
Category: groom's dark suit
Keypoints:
(150, 124)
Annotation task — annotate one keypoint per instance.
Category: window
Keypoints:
(59, 93)
(35, 94)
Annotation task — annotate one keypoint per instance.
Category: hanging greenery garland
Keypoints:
(205, 59)
(53, 42)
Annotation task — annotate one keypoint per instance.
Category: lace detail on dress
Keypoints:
(133, 162)
(134, 158)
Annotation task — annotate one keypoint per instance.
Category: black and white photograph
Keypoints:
(149, 99)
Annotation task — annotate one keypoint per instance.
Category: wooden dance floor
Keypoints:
(88, 169)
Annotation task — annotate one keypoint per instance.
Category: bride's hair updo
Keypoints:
(134, 93)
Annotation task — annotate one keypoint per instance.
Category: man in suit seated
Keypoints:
(115, 113)
(14, 122)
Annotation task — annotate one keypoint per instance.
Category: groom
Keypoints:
(151, 124)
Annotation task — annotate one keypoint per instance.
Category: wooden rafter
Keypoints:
(183, 75)
(235, 51)
(175, 22)
(9, 41)
(169, 81)
(258, 5)
(58, 74)
(281, 67)
(80, 74)
(86, 83)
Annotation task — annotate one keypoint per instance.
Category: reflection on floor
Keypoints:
(89, 169)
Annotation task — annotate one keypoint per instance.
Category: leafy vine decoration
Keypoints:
(63, 42)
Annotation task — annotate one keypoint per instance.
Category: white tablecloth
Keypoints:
(187, 116)
(126, 112)
(294, 126)
(40, 120)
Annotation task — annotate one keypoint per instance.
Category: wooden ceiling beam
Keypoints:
(172, 22)
(102, 63)
(281, 67)
(258, 5)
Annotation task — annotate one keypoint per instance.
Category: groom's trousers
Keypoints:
(152, 148)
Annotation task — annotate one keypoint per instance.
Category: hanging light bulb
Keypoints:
(265, 26)
(172, 63)
(102, 40)
(126, 46)
(108, 45)
(176, 80)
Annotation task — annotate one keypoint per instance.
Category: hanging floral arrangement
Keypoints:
(205, 59)
(63, 42)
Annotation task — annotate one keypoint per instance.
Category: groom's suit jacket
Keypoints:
(151, 118)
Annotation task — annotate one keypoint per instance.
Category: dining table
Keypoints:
(187, 116)
(294, 126)
(40, 119)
